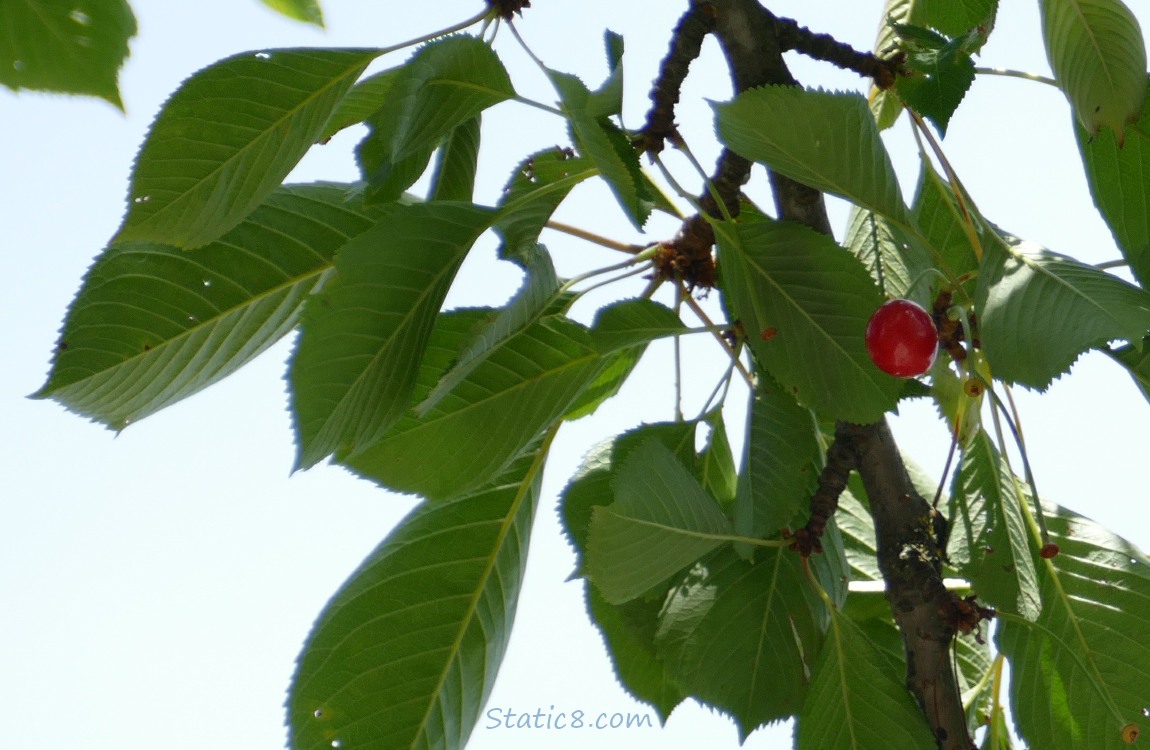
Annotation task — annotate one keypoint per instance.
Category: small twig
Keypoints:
(706, 319)
(598, 239)
(1017, 74)
(955, 184)
(825, 501)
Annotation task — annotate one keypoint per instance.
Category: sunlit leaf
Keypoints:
(361, 101)
(229, 136)
(445, 84)
(937, 80)
(454, 176)
(1037, 311)
(744, 637)
(989, 543)
(364, 335)
(520, 389)
(937, 214)
(953, 17)
(536, 188)
(1079, 674)
(1117, 177)
(628, 629)
(308, 11)
(407, 651)
(607, 146)
(634, 321)
(805, 303)
(1136, 362)
(1096, 50)
(895, 260)
(825, 140)
(858, 699)
(780, 462)
(153, 324)
(535, 300)
(69, 46)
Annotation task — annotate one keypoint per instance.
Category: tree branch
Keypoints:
(908, 553)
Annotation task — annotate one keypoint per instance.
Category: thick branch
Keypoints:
(686, 43)
(908, 551)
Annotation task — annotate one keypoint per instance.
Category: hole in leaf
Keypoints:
(263, 56)
(80, 17)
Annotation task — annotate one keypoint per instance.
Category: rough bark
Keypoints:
(908, 551)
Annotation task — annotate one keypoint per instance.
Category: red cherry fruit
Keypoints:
(901, 339)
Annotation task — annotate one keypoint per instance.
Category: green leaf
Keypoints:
(406, 652)
(1136, 362)
(607, 146)
(617, 367)
(1079, 673)
(885, 105)
(1096, 50)
(824, 140)
(954, 17)
(857, 527)
(229, 136)
(361, 101)
(628, 629)
(629, 632)
(607, 101)
(720, 476)
(153, 324)
(364, 335)
(661, 521)
(1117, 177)
(955, 405)
(989, 543)
(858, 700)
(532, 303)
(942, 77)
(781, 462)
(805, 303)
(539, 184)
(519, 390)
(69, 46)
(895, 260)
(1037, 311)
(307, 11)
(592, 484)
(454, 177)
(634, 322)
(937, 214)
(743, 637)
(445, 84)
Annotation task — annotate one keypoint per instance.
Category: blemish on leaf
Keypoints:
(769, 333)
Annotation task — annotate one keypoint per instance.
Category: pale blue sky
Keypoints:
(157, 585)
